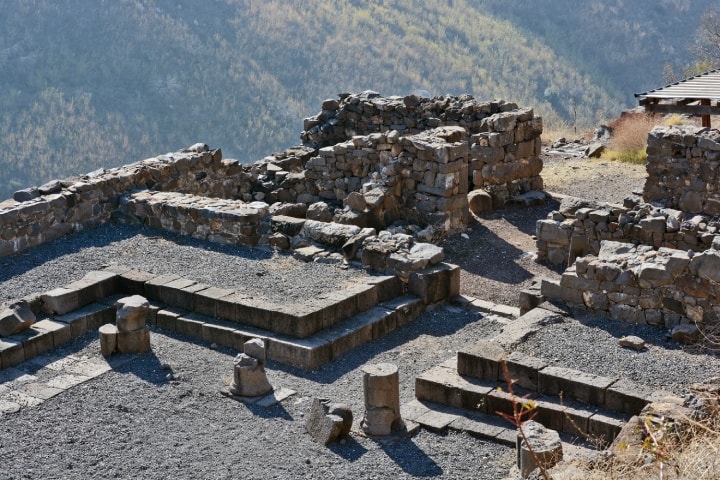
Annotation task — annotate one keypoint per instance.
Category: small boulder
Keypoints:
(632, 341)
(686, 334)
(319, 211)
(16, 318)
(26, 194)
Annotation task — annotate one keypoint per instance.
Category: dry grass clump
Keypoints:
(629, 138)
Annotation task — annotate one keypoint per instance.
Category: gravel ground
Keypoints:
(256, 272)
(133, 422)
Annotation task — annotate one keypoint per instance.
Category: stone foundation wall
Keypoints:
(664, 287)
(683, 169)
(579, 226)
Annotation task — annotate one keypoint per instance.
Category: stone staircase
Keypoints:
(305, 335)
(473, 386)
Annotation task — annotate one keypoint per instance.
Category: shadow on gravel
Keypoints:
(146, 367)
(351, 451)
(103, 236)
(411, 459)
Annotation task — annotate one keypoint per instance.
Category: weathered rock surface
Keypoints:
(16, 318)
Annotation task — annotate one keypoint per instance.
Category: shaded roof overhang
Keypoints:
(698, 95)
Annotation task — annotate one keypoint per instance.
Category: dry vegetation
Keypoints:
(629, 138)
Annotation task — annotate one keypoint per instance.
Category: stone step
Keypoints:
(295, 320)
(484, 361)
(444, 385)
(306, 353)
(437, 417)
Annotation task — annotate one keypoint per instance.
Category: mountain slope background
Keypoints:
(96, 84)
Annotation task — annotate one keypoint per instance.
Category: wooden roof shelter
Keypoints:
(698, 95)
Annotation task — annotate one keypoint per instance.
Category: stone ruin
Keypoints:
(367, 161)
(653, 260)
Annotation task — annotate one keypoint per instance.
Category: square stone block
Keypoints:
(35, 342)
(575, 421)
(481, 360)
(77, 321)
(436, 283)
(550, 414)
(205, 301)
(96, 285)
(190, 325)
(605, 427)
(582, 386)
(174, 293)
(167, 319)
(153, 287)
(61, 300)
(226, 307)
(430, 386)
(12, 352)
(61, 332)
(220, 334)
(99, 314)
(388, 287)
(626, 396)
(523, 370)
(135, 341)
(132, 282)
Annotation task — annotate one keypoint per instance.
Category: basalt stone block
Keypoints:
(61, 332)
(16, 318)
(61, 300)
(219, 333)
(191, 325)
(95, 285)
(289, 226)
(135, 341)
(481, 360)
(436, 283)
(132, 313)
(35, 342)
(153, 288)
(627, 397)
(389, 287)
(575, 384)
(206, 302)
(133, 282)
(523, 370)
(11, 352)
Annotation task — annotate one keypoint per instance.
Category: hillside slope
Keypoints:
(98, 84)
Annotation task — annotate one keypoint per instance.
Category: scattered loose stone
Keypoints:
(632, 342)
(328, 421)
(16, 318)
(545, 445)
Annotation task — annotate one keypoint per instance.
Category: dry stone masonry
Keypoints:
(367, 160)
(654, 262)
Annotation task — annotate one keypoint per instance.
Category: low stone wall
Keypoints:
(216, 220)
(683, 169)
(664, 287)
(59, 208)
(579, 226)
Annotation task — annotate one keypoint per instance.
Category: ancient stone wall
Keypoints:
(579, 226)
(380, 160)
(664, 287)
(504, 140)
(683, 169)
